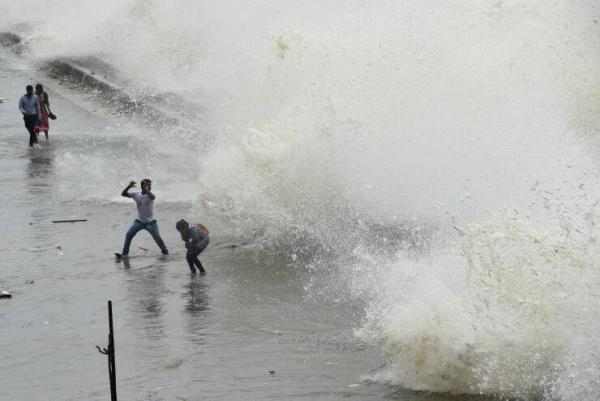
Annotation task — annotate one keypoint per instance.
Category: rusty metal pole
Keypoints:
(110, 353)
(112, 367)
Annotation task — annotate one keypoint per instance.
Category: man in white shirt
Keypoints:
(28, 105)
(145, 217)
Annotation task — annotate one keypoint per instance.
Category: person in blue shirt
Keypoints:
(28, 105)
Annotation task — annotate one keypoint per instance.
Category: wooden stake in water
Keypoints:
(110, 352)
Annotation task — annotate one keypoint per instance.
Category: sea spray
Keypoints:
(507, 313)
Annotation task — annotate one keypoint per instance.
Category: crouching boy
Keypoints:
(196, 240)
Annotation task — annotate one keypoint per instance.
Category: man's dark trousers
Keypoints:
(30, 120)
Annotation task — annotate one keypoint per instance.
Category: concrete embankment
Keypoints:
(93, 74)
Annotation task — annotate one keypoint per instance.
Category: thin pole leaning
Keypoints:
(110, 353)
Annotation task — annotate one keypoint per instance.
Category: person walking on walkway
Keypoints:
(145, 217)
(28, 105)
(42, 124)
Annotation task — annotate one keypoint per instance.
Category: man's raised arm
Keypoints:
(127, 188)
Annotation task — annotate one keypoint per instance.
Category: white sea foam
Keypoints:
(508, 311)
